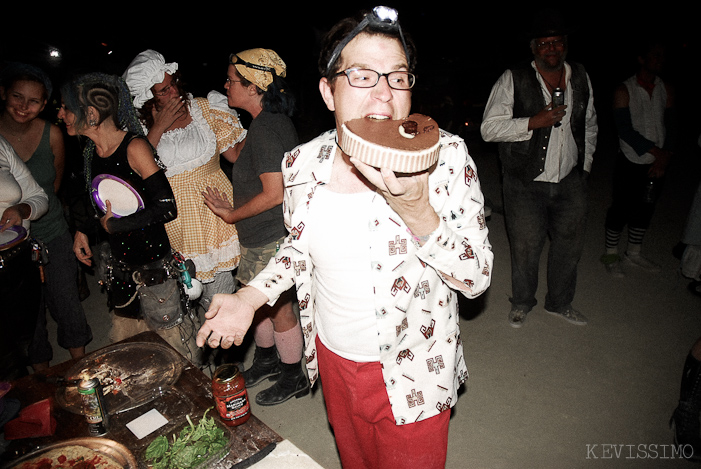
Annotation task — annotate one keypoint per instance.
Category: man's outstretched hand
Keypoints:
(229, 317)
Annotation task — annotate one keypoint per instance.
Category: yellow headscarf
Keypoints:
(258, 66)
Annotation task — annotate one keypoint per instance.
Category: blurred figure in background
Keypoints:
(546, 150)
(644, 113)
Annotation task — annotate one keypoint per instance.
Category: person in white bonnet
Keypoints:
(189, 135)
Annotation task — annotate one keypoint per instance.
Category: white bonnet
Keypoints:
(147, 69)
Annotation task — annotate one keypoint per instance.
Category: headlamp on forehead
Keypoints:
(235, 59)
(381, 18)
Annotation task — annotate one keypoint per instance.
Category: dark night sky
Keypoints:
(462, 48)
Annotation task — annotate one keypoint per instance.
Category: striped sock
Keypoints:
(635, 239)
(612, 239)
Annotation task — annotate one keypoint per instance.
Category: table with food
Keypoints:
(133, 404)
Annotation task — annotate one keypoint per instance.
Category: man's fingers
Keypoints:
(213, 341)
(203, 335)
(228, 341)
(392, 183)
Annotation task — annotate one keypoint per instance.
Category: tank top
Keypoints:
(136, 247)
(41, 165)
(647, 116)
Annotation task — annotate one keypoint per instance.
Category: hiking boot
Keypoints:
(639, 261)
(571, 315)
(612, 262)
(517, 316)
(292, 382)
(266, 364)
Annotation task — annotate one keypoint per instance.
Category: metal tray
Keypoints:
(142, 369)
(106, 447)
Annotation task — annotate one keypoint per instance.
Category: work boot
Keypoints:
(292, 382)
(685, 420)
(266, 364)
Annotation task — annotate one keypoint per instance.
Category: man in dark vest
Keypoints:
(546, 153)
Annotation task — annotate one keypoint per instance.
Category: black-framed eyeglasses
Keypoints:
(557, 44)
(382, 18)
(236, 60)
(366, 78)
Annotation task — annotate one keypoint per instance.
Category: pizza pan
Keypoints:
(101, 446)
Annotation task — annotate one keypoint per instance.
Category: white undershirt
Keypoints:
(339, 246)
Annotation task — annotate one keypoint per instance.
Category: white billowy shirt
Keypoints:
(18, 186)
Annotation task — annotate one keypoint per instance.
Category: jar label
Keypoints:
(234, 406)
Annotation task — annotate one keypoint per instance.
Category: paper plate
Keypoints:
(123, 197)
(12, 236)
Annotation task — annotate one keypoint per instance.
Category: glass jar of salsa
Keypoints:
(230, 395)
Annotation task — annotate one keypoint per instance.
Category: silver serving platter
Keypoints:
(103, 446)
(143, 367)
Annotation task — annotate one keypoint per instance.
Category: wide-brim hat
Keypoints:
(549, 22)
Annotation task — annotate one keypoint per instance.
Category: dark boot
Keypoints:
(685, 420)
(266, 364)
(292, 382)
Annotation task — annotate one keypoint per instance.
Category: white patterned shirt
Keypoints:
(415, 305)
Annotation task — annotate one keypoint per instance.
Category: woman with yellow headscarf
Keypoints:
(255, 84)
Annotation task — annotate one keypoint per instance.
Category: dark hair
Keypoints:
(108, 94)
(343, 28)
(278, 99)
(16, 71)
(647, 44)
(110, 97)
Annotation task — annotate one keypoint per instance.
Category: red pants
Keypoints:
(361, 417)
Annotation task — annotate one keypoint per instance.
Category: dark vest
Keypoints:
(526, 160)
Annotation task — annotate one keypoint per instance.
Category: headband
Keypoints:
(258, 66)
(383, 18)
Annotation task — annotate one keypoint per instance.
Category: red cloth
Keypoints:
(363, 424)
(34, 420)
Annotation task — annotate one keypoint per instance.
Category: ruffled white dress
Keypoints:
(191, 155)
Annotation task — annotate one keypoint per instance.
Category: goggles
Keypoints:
(235, 60)
(382, 18)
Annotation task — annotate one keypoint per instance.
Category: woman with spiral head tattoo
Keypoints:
(138, 265)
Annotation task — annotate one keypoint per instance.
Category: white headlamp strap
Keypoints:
(384, 18)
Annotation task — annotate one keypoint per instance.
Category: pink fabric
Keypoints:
(263, 334)
(361, 417)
